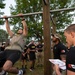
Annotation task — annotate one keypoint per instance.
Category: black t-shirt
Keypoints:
(39, 46)
(70, 59)
(58, 50)
(32, 47)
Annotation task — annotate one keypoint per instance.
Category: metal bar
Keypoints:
(35, 13)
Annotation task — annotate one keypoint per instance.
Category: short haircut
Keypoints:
(70, 28)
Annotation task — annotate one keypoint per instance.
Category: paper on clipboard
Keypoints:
(59, 62)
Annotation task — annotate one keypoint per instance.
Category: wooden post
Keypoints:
(54, 26)
(47, 38)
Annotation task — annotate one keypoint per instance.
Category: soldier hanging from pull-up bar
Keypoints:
(13, 51)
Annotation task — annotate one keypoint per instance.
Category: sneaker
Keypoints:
(20, 72)
(3, 73)
(24, 70)
(6, 73)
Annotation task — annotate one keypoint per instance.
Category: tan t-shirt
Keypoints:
(17, 42)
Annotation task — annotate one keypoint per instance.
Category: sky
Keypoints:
(7, 10)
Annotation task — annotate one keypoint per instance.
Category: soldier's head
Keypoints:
(55, 37)
(69, 34)
(20, 31)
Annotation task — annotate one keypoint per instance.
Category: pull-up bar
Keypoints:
(35, 13)
(13, 16)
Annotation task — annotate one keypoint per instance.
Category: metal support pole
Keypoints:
(35, 13)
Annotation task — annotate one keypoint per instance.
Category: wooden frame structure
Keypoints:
(47, 32)
(41, 12)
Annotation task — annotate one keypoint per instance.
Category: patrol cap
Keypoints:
(56, 36)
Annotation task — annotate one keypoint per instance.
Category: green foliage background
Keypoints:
(34, 22)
